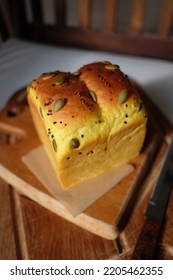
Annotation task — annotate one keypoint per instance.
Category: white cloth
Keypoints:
(22, 61)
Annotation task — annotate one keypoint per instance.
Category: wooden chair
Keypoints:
(6, 27)
(138, 38)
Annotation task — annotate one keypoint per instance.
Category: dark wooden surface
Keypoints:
(29, 231)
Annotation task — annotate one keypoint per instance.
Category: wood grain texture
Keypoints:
(130, 234)
(7, 236)
(156, 44)
(8, 250)
(36, 233)
(108, 215)
(145, 247)
(132, 230)
(85, 13)
(113, 42)
(51, 237)
(19, 225)
(166, 241)
(165, 21)
(110, 15)
(137, 16)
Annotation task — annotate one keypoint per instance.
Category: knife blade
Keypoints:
(155, 212)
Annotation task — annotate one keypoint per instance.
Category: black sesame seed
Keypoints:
(125, 122)
(126, 116)
(82, 135)
(54, 122)
(68, 158)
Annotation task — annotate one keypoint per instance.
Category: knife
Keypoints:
(155, 212)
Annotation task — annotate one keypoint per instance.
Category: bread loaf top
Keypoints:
(95, 102)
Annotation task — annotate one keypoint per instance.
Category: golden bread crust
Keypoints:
(85, 116)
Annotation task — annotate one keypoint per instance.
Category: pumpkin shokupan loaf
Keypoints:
(89, 121)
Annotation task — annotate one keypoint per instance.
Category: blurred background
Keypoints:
(152, 13)
(152, 18)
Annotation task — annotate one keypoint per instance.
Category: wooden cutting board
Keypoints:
(109, 214)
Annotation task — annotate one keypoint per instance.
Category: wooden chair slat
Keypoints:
(6, 27)
(84, 13)
(89, 39)
(60, 12)
(137, 16)
(166, 18)
(18, 17)
(37, 11)
(110, 15)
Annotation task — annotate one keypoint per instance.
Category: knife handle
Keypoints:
(146, 243)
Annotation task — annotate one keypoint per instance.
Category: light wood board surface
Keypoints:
(120, 209)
